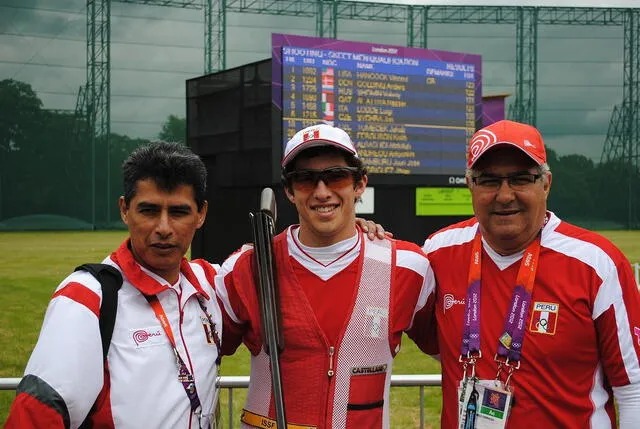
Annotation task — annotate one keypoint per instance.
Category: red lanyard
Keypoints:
(162, 318)
(184, 376)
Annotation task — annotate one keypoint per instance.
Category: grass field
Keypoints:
(33, 263)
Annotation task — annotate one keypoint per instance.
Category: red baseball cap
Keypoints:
(522, 136)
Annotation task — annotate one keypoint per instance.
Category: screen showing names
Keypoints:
(408, 110)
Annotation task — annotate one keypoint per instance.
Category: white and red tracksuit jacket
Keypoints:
(138, 387)
(340, 382)
(585, 353)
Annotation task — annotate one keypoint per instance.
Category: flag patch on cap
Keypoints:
(311, 135)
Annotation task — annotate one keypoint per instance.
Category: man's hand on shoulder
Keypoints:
(373, 230)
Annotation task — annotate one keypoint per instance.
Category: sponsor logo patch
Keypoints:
(367, 370)
(146, 337)
(450, 300)
(544, 318)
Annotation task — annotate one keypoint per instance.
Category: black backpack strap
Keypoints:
(110, 280)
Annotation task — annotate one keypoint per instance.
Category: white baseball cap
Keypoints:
(317, 135)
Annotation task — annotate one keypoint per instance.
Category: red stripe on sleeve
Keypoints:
(27, 412)
(234, 333)
(103, 416)
(209, 271)
(82, 295)
(610, 352)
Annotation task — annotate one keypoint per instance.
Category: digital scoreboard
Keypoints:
(409, 111)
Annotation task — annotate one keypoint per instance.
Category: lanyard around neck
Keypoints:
(510, 342)
(184, 376)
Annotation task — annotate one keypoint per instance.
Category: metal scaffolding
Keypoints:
(215, 35)
(94, 99)
(622, 144)
(525, 103)
(98, 91)
(623, 139)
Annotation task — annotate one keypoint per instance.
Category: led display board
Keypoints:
(409, 111)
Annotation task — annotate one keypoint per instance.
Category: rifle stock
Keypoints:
(263, 226)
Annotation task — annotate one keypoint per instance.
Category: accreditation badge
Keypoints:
(483, 404)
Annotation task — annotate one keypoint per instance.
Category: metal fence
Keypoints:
(242, 382)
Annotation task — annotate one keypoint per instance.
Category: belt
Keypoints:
(258, 421)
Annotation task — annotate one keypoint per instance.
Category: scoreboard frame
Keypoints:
(281, 40)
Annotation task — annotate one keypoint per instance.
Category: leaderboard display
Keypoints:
(409, 111)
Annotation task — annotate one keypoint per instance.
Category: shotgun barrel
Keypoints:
(263, 226)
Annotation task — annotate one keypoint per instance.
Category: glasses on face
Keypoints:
(333, 177)
(516, 181)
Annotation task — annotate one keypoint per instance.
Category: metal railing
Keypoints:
(242, 382)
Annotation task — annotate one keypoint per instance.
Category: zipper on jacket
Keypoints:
(331, 351)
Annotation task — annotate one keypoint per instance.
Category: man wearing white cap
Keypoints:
(539, 324)
(345, 301)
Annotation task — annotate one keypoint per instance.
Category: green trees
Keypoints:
(174, 129)
(46, 169)
(590, 194)
(20, 107)
(38, 155)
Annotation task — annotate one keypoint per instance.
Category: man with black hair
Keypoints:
(345, 301)
(161, 366)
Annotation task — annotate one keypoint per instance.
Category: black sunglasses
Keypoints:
(333, 177)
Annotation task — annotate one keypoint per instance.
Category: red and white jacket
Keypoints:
(336, 365)
(138, 387)
(582, 341)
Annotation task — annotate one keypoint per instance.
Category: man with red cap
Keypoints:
(539, 322)
(345, 300)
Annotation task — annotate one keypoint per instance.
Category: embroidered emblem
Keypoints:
(377, 314)
(310, 135)
(449, 301)
(145, 337)
(480, 142)
(544, 318)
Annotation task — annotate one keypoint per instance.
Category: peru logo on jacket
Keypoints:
(544, 318)
(145, 337)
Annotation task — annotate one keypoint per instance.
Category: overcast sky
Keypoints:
(155, 49)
